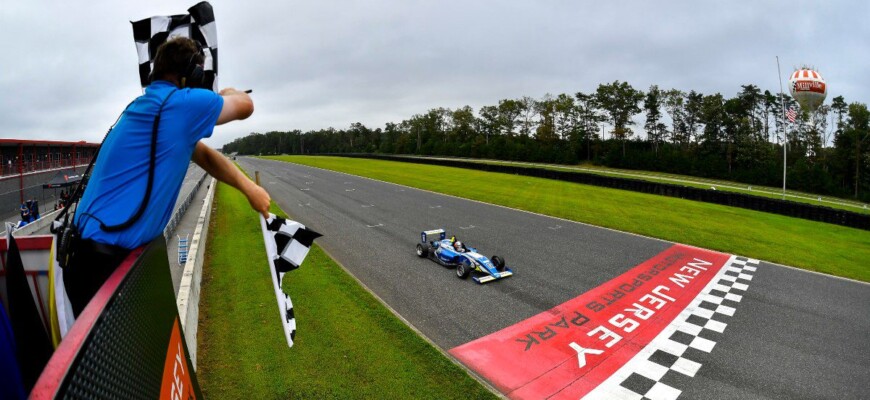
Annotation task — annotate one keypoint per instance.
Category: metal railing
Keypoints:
(179, 212)
(28, 166)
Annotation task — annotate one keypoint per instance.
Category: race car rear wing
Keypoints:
(424, 236)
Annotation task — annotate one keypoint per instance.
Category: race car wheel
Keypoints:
(421, 251)
(499, 263)
(462, 271)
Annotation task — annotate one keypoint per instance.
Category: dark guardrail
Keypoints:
(770, 205)
(127, 343)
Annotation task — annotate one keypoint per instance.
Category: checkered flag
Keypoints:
(791, 114)
(287, 244)
(198, 25)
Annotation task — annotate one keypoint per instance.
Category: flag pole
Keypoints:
(784, 128)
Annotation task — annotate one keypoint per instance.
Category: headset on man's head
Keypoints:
(194, 75)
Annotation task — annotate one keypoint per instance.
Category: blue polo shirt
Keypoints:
(120, 175)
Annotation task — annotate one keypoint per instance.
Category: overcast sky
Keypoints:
(67, 68)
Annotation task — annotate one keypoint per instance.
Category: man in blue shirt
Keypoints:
(25, 213)
(117, 213)
(34, 209)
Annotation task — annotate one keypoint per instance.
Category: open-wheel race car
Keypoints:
(467, 261)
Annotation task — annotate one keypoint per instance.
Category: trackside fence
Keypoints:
(179, 212)
(765, 204)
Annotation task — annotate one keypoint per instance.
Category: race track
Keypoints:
(780, 333)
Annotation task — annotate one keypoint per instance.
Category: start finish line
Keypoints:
(568, 351)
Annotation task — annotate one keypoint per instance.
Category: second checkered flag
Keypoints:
(287, 244)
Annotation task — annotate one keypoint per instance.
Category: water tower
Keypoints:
(808, 88)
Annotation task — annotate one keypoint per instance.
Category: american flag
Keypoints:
(791, 114)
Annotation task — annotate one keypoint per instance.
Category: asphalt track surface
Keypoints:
(794, 335)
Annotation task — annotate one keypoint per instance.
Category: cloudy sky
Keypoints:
(67, 68)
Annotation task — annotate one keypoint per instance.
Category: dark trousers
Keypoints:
(89, 267)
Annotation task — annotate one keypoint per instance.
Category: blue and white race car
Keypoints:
(454, 254)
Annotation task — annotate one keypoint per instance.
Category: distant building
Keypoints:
(26, 164)
(19, 156)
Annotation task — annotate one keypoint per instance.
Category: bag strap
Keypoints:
(151, 167)
(79, 190)
(76, 194)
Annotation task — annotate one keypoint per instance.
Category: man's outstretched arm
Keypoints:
(223, 170)
(237, 106)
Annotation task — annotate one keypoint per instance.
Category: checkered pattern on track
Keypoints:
(707, 313)
(674, 355)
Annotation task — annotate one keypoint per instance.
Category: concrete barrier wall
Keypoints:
(41, 224)
(188, 290)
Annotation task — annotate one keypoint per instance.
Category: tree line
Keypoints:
(712, 136)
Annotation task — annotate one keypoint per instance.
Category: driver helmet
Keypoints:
(458, 245)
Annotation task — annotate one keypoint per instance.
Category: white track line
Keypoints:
(563, 219)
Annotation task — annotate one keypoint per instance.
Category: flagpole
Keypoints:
(784, 128)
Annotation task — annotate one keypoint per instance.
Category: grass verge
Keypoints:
(814, 246)
(347, 346)
(693, 181)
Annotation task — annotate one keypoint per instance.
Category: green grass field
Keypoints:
(701, 183)
(814, 246)
(348, 346)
